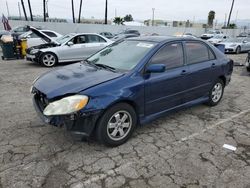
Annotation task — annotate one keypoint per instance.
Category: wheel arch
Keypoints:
(223, 78)
(48, 52)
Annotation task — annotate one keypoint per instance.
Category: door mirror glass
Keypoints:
(70, 43)
(156, 68)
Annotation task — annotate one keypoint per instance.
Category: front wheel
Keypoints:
(116, 125)
(48, 59)
(216, 93)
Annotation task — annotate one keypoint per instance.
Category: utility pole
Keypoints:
(153, 16)
(80, 10)
(228, 22)
(106, 12)
(31, 16)
(8, 9)
(44, 11)
(24, 11)
(19, 10)
(73, 11)
(225, 23)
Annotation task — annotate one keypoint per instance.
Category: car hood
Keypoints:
(42, 35)
(72, 79)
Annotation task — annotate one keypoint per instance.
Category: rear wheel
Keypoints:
(116, 125)
(216, 93)
(238, 50)
(48, 59)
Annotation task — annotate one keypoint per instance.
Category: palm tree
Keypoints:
(118, 20)
(228, 22)
(210, 20)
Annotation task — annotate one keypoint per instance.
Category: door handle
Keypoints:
(183, 72)
(213, 65)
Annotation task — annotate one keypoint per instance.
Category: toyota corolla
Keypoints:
(130, 83)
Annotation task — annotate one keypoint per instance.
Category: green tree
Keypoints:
(232, 26)
(210, 20)
(118, 20)
(128, 18)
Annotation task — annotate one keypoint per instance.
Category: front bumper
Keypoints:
(228, 50)
(79, 124)
(32, 57)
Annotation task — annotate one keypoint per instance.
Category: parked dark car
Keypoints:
(130, 83)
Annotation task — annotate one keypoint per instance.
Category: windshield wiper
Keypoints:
(106, 67)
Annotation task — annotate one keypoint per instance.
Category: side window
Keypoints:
(50, 34)
(95, 39)
(198, 52)
(171, 55)
(81, 39)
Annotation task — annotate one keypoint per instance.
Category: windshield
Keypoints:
(234, 40)
(211, 32)
(218, 37)
(64, 38)
(123, 56)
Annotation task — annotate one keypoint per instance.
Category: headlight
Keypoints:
(34, 51)
(66, 105)
(233, 45)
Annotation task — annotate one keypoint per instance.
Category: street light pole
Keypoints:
(106, 12)
(153, 16)
(73, 11)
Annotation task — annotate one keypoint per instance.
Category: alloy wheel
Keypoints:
(217, 92)
(119, 125)
(49, 60)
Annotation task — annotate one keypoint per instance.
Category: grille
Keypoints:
(41, 100)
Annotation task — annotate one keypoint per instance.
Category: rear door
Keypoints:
(164, 91)
(203, 69)
(93, 44)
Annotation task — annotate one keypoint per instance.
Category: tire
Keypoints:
(238, 50)
(48, 59)
(248, 69)
(216, 93)
(116, 125)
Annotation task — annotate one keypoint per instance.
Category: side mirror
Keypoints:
(70, 43)
(224, 37)
(156, 68)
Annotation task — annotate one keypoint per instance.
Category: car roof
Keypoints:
(160, 39)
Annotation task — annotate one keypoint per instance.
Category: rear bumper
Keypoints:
(79, 124)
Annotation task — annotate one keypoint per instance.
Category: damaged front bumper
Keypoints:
(80, 124)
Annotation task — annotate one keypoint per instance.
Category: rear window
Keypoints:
(198, 52)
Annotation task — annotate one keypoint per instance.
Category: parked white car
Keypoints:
(237, 45)
(68, 48)
(217, 39)
(33, 39)
(211, 33)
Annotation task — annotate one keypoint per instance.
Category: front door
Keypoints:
(164, 91)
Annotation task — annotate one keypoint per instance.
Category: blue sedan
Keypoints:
(130, 83)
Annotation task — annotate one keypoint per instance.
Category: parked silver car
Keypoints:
(68, 48)
(236, 45)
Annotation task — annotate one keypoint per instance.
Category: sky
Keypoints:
(193, 10)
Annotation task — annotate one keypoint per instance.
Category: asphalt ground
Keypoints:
(184, 149)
